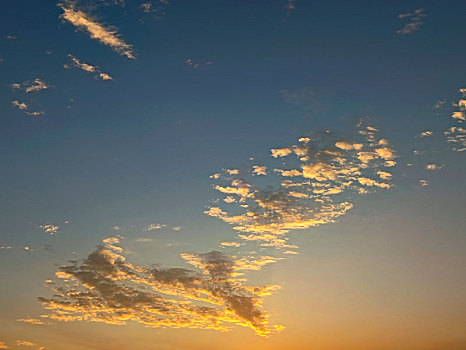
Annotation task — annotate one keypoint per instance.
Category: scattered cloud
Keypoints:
(440, 104)
(176, 228)
(426, 133)
(35, 86)
(315, 177)
(413, 21)
(87, 68)
(106, 288)
(51, 229)
(156, 8)
(456, 135)
(259, 170)
(106, 35)
(423, 183)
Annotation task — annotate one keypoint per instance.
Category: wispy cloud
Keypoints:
(456, 135)
(290, 7)
(3, 345)
(107, 35)
(24, 343)
(414, 21)
(34, 321)
(31, 86)
(106, 288)
(87, 68)
(313, 175)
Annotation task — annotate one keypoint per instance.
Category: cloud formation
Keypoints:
(198, 66)
(414, 21)
(20, 105)
(106, 288)
(106, 35)
(87, 68)
(31, 86)
(311, 186)
(3, 345)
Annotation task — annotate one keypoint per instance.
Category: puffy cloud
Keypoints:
(456, 135)
(51, 229)
(414, 22)
(35, 86)
(106, 288)
(320, 172)
(87, 68)
(104, 34)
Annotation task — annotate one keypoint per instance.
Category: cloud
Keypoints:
(456, 135)
(176, 228)
(24, 343)
(290, 7)
(198, 66)
(259, 170)
(426, 133)
(51, 229)
(31, 321)
(423, 183)
(36, 113)
(434, 166)
(414, 22)
(35, 86)
(87, 68)
(311, 186)
(3, 345)
(106, 288)
(106, 35)
(20, 105)
(153, 227)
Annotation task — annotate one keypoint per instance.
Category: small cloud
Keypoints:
(423, 183)
(259, 170)
(20, 105)
(51, 229)
(290, 7)
(144, 240)
(31, 321)
(24, 343)
(36, 113)
(198, 66)
(116, 228)
(414, 22)
(176, 228)
(28, 248)
(439, 104)
(434, 166)
(87, 68)
(3, 345)
(426, 133)
(10, 37)
(231, 244)
(153, 227)
(35, 86)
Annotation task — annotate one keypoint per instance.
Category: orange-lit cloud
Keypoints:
(104, 34)
(315, 178)
(106, 288)
(75, 62)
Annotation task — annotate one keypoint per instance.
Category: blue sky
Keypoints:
(114, 126)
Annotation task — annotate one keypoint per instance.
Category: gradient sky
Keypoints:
(283, 174)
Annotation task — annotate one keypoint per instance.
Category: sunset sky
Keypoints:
(232, 174)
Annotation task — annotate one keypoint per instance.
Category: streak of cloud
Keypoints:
(75, 62)
(106, 35)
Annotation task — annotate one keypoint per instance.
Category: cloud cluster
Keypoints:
(106, 35)
(414, 22)
(456, 135)
(311, 185)
(198, 66)
(31, 86)
(106, 288)
(87, 68)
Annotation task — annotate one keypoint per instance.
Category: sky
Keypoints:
(282, 174)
